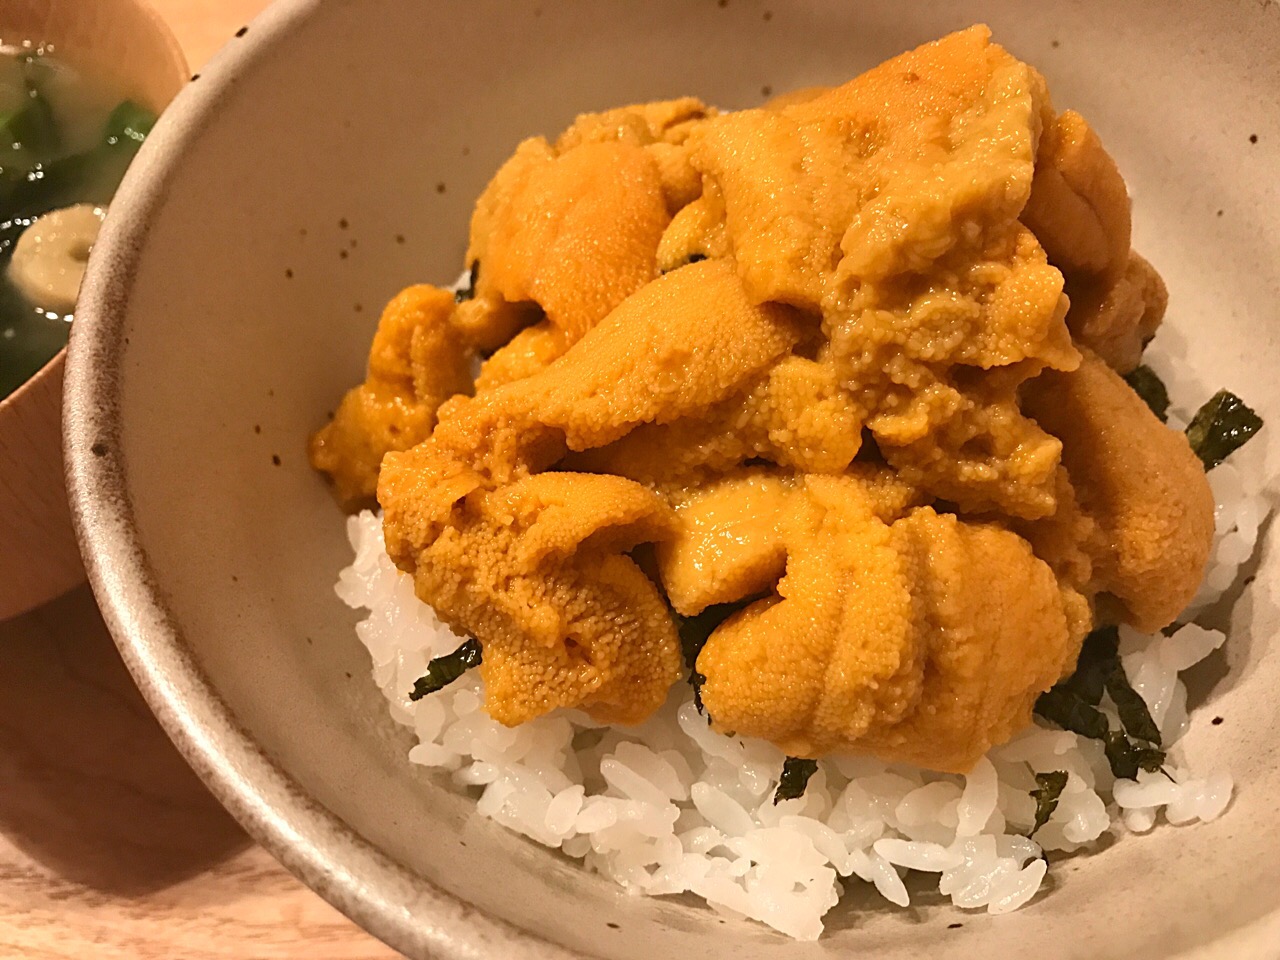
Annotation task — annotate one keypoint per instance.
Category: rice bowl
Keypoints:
(673, 807)
(241, 648)
(855, 412)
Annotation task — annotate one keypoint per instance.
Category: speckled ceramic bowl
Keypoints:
(329, 157)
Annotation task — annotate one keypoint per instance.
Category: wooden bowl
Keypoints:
(125, 43)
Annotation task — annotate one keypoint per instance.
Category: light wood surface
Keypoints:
(109, 845)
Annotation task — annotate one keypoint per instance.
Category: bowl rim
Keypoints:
(388, 900)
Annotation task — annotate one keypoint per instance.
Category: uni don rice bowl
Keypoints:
(794, 498)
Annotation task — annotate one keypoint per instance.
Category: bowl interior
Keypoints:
(331, 157)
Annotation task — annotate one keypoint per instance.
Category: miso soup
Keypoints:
(65, 143)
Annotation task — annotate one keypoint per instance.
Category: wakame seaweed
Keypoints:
(694, 632)
(1148, 385)
(1221, 427)
(1049, 787)
(442, 671)
(129, 123)
(795, 779)
(1073, 705)
(88, 177)
(32, 129)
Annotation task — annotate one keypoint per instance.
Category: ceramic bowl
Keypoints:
(329, 157)
(126, 44)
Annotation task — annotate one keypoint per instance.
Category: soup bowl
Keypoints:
(329, 157)
(125, 45)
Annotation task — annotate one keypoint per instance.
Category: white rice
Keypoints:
(672, 807)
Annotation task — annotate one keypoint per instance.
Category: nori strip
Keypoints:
(1065, 708)
(1049, 787)
(694, 632)
(1135, 716)
(1073, 705)
(469, 291)
(795, 778)
(1221, 427)
(442, 671)
(1098, 659)
(1148, 385)
(1127, 758)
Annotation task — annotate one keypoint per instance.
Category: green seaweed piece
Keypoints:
(1073, 705)
(1147, 384)
(795, 779)
(443, 671)
(1221, 427)
(469, 291)
(1127, 758)
(1049, 787)
(694, 632)
(30, 131)
(88, 177)
(129, 125)
(1065, 708)
(1135, 716)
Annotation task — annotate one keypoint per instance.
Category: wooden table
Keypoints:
(110, 847)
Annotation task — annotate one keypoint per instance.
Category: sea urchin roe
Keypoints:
(664, 352)
(537, 570)
(884, 636)
(575, 233)
(1139, 481)
(820, 356)
(416, 362)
